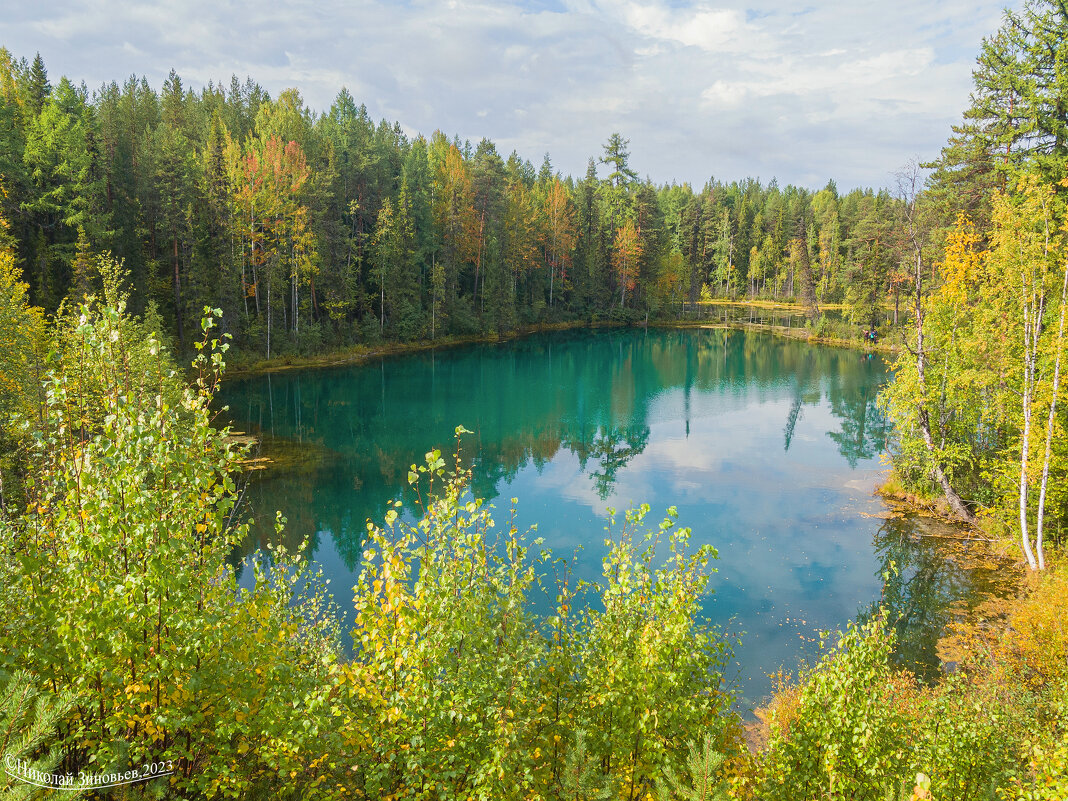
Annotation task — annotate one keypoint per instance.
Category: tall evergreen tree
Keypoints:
(39, 87)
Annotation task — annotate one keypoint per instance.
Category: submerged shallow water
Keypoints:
(769, 447)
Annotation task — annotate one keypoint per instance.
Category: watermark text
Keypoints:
(25, 772)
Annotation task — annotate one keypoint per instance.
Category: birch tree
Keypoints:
(1027, 262)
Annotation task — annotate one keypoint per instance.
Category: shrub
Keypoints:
(459, 690)
(846, 738)
(122, 556)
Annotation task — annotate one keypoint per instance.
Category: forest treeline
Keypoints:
(314, 231)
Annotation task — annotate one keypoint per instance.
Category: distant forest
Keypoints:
(317, 231)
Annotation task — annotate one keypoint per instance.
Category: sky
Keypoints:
(849, 91)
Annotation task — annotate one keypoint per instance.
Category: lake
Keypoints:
(769, 447)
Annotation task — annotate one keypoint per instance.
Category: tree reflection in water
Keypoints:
(342, 439)
(932, 577)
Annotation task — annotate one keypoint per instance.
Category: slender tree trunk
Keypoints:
(178, 297)
(1049, 428)
(1033, 309)
(909, 192)
(244, 287)
(478, 253)
(255, 271)
(730, 264)
(552, 276)
(552, 263)
(1025, 538)
(954, 500)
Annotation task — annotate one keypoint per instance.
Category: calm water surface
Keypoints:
(770, 449)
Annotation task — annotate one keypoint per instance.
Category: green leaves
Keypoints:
(855, 727)
(845, 737)
(123, 553)
(471, 693)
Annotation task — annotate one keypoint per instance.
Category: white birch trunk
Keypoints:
(1039, 547)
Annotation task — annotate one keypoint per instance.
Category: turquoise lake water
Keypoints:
(769, 447)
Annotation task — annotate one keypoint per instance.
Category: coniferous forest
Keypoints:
(315, 231)
(145, 231)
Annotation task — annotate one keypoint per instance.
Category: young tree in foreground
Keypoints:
(459, 690)
(122, 554)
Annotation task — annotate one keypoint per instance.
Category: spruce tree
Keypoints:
(39, 86)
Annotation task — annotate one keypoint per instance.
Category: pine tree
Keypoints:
(703, 782)
(1019, 110)
(81, 270)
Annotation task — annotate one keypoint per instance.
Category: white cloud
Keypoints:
(722, 94)
(836, 89)
(711, 29)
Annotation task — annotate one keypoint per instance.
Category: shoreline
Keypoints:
(358, 354)
(936, 509)
(801, 334)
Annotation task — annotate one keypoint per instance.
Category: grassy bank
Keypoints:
(357, 354)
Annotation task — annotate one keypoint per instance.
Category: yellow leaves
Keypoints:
(1024, 234)
(627, 251)
(23, 332)
(963, 259)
